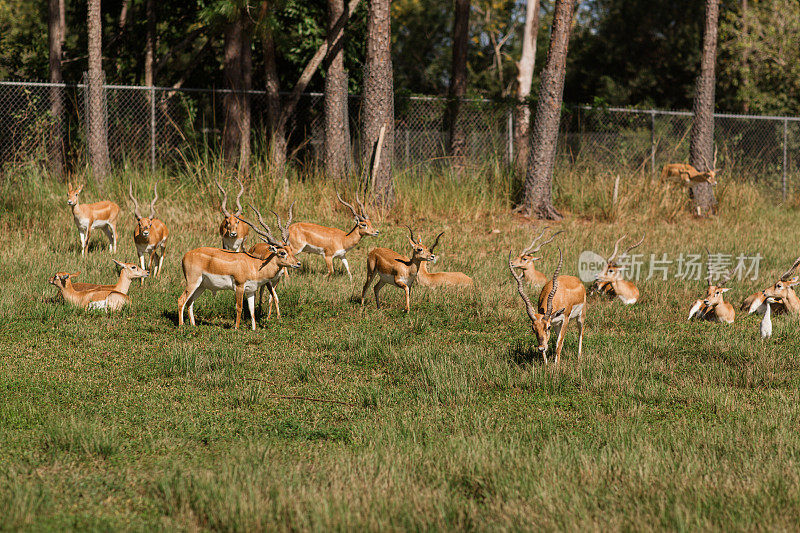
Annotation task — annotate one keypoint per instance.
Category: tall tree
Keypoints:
(458, 82)
(150, 43)
(701, 141)
(238, 81)
(337, 128)
(276, 131)
(525, 67)
(98, 134)
(538, 195)
(378, 108)
(56, 35)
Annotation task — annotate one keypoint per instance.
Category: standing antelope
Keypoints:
(127, 273)
(783, 290)
(87, 217)
(262, 250)
(526, 260)
(220, 270)
(109, 300)
(331, 242)
(395, 269)
(441, 279)
(688, 175)
(149, 235)
(610, 281)
(562, 298)
(232, 230)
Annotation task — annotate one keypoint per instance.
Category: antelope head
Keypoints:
(62, 279)
(784, 285)
(133, 270)
(72, 194)
(143, 224)
(540, 322)
(280, 249)
(419, 251)
(363, 223)
(230, 224)
(527, 257)
(613, 271)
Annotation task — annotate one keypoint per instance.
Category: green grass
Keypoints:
(450, 422)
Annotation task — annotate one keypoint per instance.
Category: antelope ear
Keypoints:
(413, 244)
(118, 263)
(559, 312)
(793, 281)
(725, 289)
(273, 248)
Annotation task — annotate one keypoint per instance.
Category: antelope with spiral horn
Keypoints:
(149, 235)
(526, 260)
(262, 249)
(87, 217)
(561, 299)
(610, 280)
(232, 230)
(332, 242)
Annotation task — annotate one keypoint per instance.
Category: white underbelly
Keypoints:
(218, 282)
(99, 223)
(576, 311)
(142, 249)
(311, 249)
(232, 244)
(82, 223)
(389, 278)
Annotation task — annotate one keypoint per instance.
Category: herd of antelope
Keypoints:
(250, 271)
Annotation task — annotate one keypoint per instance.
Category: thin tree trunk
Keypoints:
(746, 50)
(150, 44)
(701, 141)
(378, 107)
(337, 128)
(98, 134)
(538, 199)
(236, 132)
(458, 82)
(247, 86)
(56, 35)
(277, 134)
(525, 68)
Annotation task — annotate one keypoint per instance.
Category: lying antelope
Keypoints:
(441, 279)
(331, 242)
(220, 270)
(107, 299)
(87, 217)
(262, 250)
(610, 280)
(755, 303)
(526, 260)
(713, 307)
(232, 230)
(149, 235)
(395, 269)
(688, 175)
(127, 273)
(562, 298)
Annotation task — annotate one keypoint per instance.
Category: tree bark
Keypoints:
(458, 83)
(277, 133)
(150, 44)
(56, 35)
(525, 68)
(98, 134)
(238, 75)
(337, 128)
(538, 199)
(701, 141)
(378, 101)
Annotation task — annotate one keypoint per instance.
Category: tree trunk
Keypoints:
(701, 141)
(538, 200)
(238, 75)
(276, 130)
(150, 44)
(378, 106)
(337, 128)
(458, 83)
(56, 35)
(98, 134)
(525, 67)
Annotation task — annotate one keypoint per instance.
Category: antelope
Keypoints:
(87, 217)
(232, 230)
(127, 273)
(755, 303)
(441, 279)
(610, 281)
(149, 235)
(688, 175)
(713, 307)
(395, 269)
(107, 299)
(526, 260)
(783, 290)
(261, 249)
(332, 242)
(219, 270)
(562, 298)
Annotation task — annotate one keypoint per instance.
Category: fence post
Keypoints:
(152, 129)
(407, 147)
(510, 135)
(783, 177)
(653, 144)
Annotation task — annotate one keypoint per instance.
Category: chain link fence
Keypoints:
(157, 126)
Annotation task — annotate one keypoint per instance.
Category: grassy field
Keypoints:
(447, 420)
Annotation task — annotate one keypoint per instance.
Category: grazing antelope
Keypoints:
(395, 269)
(783, 290)
(220, 270)
(526, 260)
(127, 273)
(688, 175)
(562, 298)
(232, 230)
(106, 299)
(332, 242)
(610, 281)
(441, 279)
(87, 217)
(262, 250)
(149, 235)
